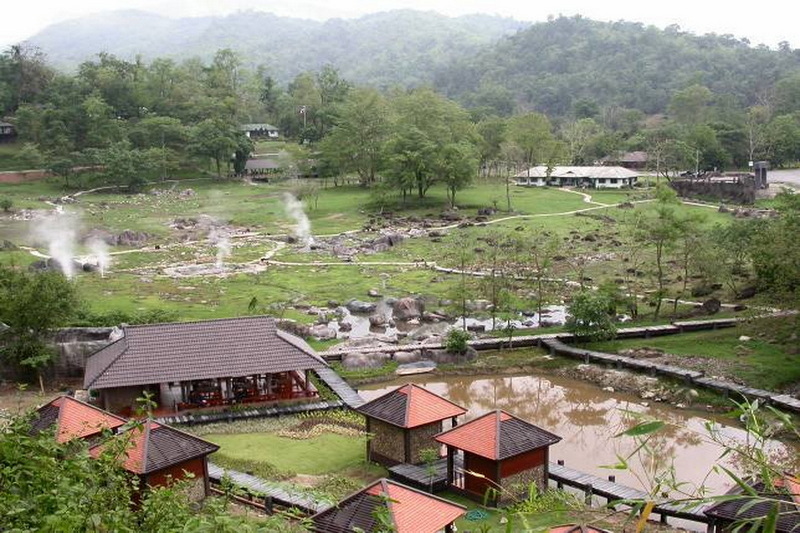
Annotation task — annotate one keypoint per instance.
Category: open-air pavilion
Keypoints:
(202, 364)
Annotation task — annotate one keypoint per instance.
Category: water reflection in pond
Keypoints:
(588, 418)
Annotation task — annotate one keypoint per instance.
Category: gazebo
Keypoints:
(784, 493)
(202, 364)
(500, 452)
(74, 419)
(403, 422)
(160, 455)
(405, 509)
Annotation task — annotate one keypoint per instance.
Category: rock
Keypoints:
(132, 238)
(293, 327)
(747, 292)
(378, 319)
(478, 305)
(357, 306)
(8, 246)
(712, 306)
(361, 360)
(647, 395)
(413, 322)
(427, 331)
(701, 290)
(373, 293)
(608, 389)
(476, 328)
(408, 307)
(345, 327)
(433, 317)
(186, 193)
(407, 357)
(441, 356)
(451, 216)
(744, 338)
(487, 211)
(322, 332)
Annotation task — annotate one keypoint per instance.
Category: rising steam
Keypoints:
(302, 229)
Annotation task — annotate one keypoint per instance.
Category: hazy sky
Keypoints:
(764, 21)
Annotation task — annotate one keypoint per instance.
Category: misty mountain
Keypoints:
(397, 47)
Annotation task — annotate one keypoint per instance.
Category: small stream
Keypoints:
(588, 418)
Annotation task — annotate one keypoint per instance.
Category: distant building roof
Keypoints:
(151, 447)
(590, 172)
(73, 419)
(256, 127)
(410, 511)
(261, 164)
(5, 124)
(185, 351)
(410, 406)
(786, 492)
(497, 435)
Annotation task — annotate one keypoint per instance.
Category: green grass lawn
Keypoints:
(760, 362)
(325, 454)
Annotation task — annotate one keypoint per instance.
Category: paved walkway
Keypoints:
(340, 387)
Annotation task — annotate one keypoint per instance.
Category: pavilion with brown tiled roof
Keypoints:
(159, 455)
(402, 423)
(501, 452)
(74, 419)
(202, 364)
(408, 510)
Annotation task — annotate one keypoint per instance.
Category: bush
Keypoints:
(6, 204)
(456, 341)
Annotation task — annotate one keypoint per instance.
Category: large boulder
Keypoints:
(441, 356)
(408, 308)
(712, 306)
(357, 306)
(407, 357)
(363, 360)
(295, 328)
(322, 332)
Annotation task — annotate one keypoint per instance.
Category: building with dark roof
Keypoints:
(160, 455)
(7, 132)
(502, 454)
(633, 160)
(408, 511)
(785, 494)
(260, 131)
(577, 528)
(403, 423)
(202, 364)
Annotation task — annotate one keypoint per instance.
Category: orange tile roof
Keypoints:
(78, 420)
(575, 528)
(497, 435)
(411, 406)
(414, 511)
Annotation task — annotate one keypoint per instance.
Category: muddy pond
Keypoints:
(588, 418)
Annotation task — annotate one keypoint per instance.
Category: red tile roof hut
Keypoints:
(158, 454)
(500, 451)
(575, 528)
(402, 423)
(202, 364)
(408, 511)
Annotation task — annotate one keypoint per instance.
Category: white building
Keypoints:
(591, 177)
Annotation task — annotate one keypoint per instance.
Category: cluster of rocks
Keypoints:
(648, 388)
(748, 212)
(126, 237)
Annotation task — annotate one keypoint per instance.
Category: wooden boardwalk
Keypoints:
(280, 496)
(191, 418)
(612, 492)
(433, 479)
(340, 387)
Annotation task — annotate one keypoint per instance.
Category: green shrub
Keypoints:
(456, 341)
(6, 204)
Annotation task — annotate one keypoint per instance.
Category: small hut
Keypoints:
(500, 452)
(785, 493)
(160, 455)
(407, 510)
(74, 419)
(403, 423)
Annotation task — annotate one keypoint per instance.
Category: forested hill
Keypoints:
(552, 65)
(384, 49)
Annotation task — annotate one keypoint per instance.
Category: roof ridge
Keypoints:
(439, 396)
(499, 415)
(225, 319)
(407, 411)
(146, 445)
(111, 363)
(388, 501)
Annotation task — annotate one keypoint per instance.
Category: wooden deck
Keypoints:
(280, 496)
(433, 479)
(611, 491)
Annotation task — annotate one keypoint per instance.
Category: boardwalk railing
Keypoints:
(592, 485)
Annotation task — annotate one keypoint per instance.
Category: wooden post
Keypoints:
(587, 494)
(268, 506)
(450, 466)
(612, 479)
(560, 485)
